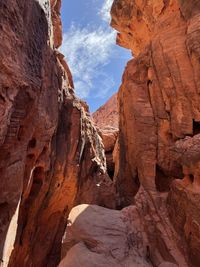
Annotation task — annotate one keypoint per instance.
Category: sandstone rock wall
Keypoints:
(159, 111)
(106, 119)
(107, 115)
(51, 157)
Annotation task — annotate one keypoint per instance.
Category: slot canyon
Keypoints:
(119, 187)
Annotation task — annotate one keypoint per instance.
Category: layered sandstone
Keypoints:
(159, 123)
(51, 157)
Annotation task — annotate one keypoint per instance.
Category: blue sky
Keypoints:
(96, 62)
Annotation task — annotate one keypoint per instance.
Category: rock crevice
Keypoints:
(54, 156)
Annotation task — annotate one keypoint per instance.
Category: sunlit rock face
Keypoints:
(159, 116)
(56, 22)
(106, 119)
(107, 115)
(97, 236)
(51, 157)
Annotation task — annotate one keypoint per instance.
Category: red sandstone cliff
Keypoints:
(106, 119)
(51, 157)
(159, 111)
(158, 162)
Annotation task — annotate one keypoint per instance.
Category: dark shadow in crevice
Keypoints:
(111, 173)
(32, 143)
(162, 180)
(110, 164)
(191, 178)
(196, 127)
(126, 191)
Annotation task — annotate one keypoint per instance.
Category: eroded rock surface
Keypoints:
(96, 236)
(107, 115)
(159, 121)
(51, 157)
(139, 235)
(106, 119)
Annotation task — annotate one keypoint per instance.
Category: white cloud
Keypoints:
(87, 50)
(104, 12)
(106, 83)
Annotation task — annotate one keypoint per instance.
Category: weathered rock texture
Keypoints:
(51, 155)
(160, 123)
(109, 137)
(106, 119)
(101, 237)
(136, 236)
(107, 115)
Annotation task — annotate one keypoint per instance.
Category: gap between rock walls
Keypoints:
(119, 187)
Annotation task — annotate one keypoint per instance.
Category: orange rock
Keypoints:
(51, 156)
(57, 23)
(106, 119)
(109, 137)
(159, 107)
(107, 115)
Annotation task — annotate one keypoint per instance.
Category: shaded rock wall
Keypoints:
(51, 155)
(160, 122)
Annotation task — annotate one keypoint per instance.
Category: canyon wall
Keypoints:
(51, 156)
(106, 119)
(156, 168)
(159, 137)
(107, 114)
